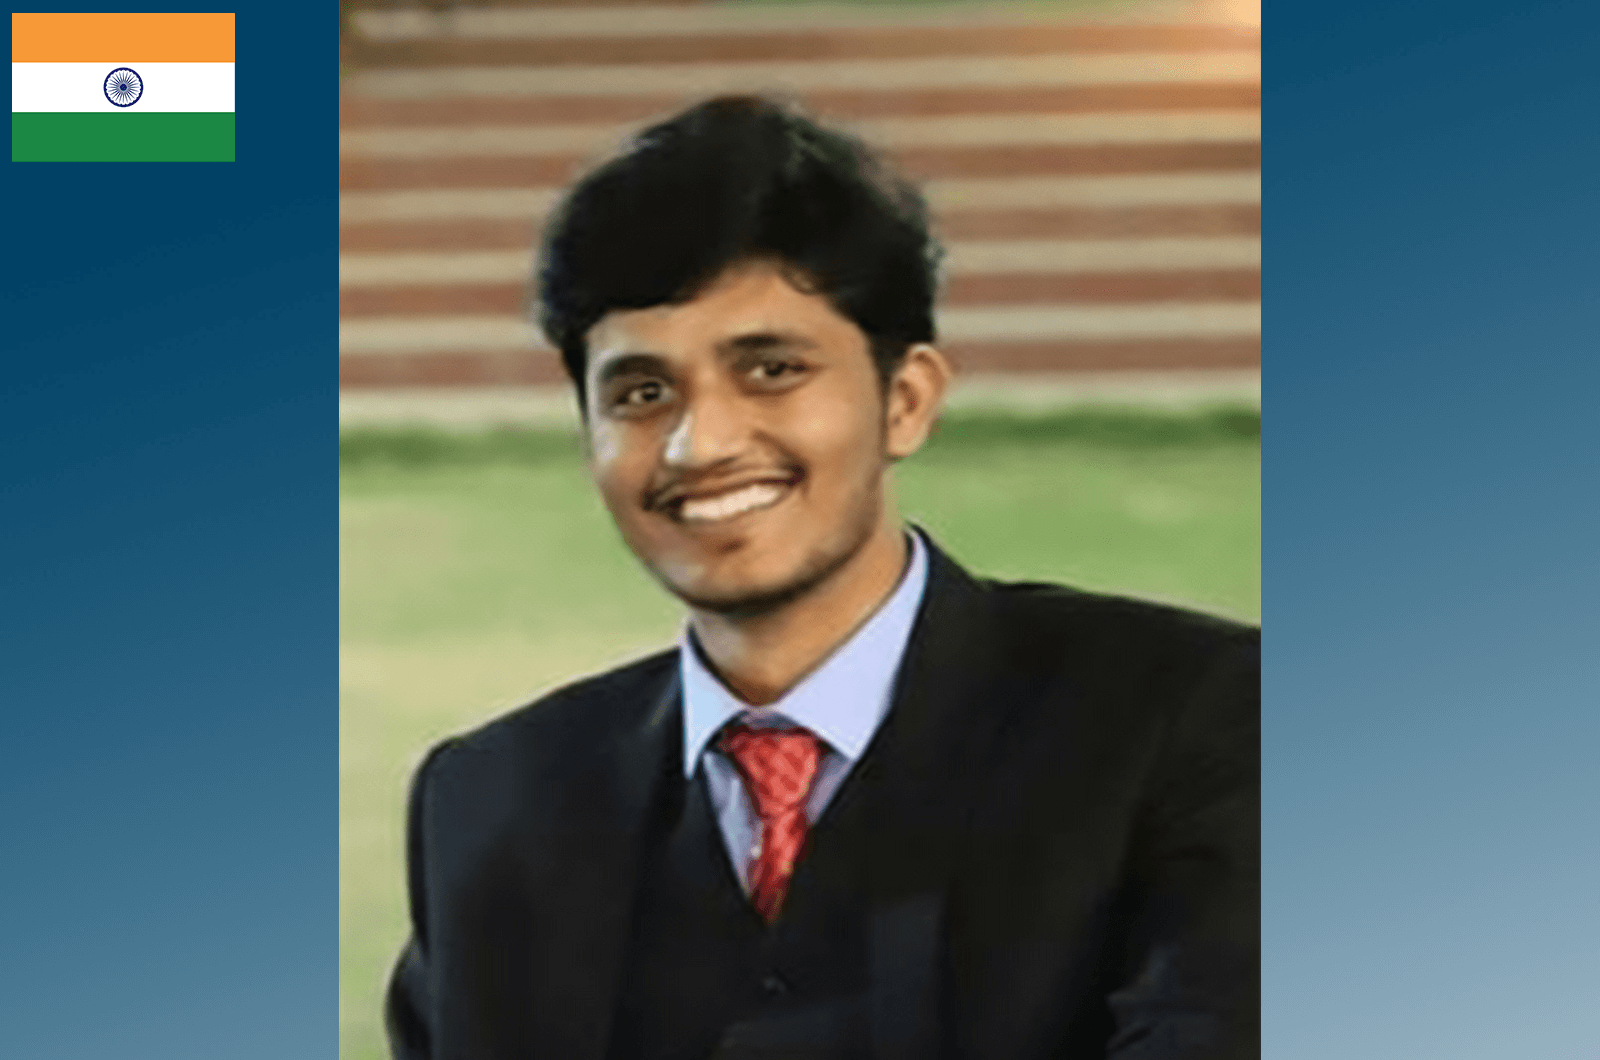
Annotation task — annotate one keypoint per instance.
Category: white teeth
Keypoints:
(727, 505)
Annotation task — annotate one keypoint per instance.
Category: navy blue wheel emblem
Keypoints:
(123, 87)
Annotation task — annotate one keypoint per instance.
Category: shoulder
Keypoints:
(1132, 657)
(1039, 615)
(1043, 630)
(563, 726)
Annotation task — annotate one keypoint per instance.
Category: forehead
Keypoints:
(752, 299)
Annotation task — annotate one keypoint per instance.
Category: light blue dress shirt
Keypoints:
(843, 701)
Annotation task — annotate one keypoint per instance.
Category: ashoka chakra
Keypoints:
(123, 87)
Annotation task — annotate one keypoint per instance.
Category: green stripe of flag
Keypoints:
(68, 136)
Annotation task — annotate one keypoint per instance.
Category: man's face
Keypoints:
(738, 439)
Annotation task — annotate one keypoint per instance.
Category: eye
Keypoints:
(772, 371)
(640, 396)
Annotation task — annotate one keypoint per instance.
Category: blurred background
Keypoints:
(1094, 170)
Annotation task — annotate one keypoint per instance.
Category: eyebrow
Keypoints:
(763, 341)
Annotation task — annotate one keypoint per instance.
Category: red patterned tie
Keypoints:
(778, 766)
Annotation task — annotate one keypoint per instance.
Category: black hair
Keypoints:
(735, 178)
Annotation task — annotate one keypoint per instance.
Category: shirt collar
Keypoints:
(843, 700)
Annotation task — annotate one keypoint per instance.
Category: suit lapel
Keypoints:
(587, 901)
(935, 746)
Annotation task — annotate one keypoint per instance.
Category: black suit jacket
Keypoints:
(1065, 865)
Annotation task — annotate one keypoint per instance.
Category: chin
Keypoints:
(739, 597)
(750, 593)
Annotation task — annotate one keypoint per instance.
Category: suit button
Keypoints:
(774, 986)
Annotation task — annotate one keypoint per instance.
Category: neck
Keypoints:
(760, 657)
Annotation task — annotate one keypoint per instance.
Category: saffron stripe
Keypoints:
(122, 37)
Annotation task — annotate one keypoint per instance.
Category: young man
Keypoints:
(871, 806)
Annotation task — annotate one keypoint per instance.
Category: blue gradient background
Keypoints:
(168, 693)
(1432, 874)
(1431, 527)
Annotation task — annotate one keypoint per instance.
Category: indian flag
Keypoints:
(122, 87)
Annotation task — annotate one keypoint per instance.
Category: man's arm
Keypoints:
(1191, 967)
(409, 1005)
(408, 1030)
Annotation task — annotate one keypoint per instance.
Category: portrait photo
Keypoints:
(799, 529)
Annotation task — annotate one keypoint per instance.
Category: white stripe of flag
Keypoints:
(169, 87)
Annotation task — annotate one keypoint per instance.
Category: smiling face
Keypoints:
(741, 439)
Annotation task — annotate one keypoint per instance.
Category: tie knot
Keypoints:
(777, 764)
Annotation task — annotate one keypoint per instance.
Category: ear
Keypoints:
(915, 399)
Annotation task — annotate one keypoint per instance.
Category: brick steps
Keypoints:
(1094, 171)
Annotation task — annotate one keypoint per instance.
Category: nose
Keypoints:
(711, 431)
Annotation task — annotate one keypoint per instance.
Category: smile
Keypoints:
(734, 502)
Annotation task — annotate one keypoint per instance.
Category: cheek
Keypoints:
(844, 444)
(610, 468)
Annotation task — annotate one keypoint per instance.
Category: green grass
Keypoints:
(479, 569)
